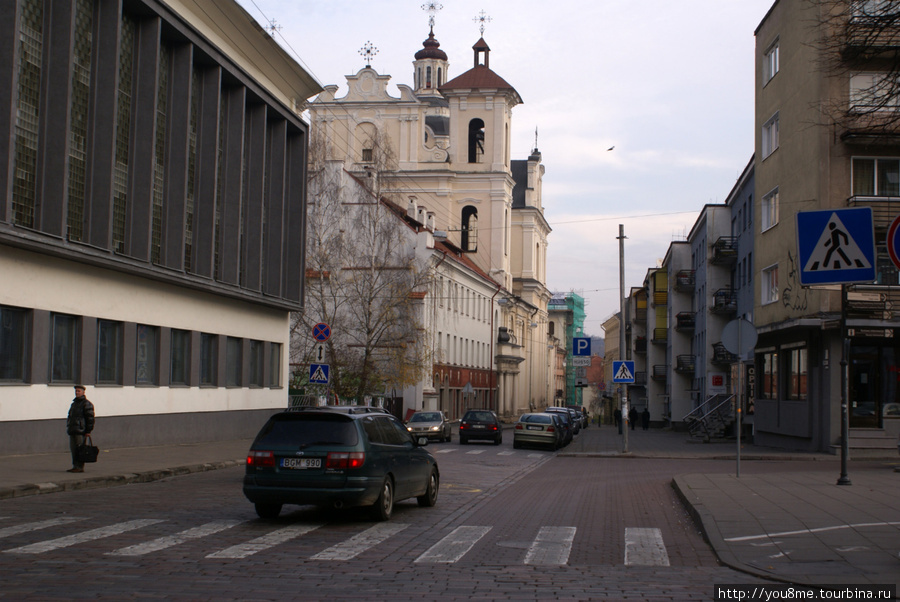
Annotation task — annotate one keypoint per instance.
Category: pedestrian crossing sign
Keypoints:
(836, 246)
(318, 374)
(623, 372)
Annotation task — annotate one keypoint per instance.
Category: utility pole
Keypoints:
(621, 239)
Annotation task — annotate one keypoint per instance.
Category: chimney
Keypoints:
(429, 221)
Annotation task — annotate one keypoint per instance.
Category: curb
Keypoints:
(113, 480)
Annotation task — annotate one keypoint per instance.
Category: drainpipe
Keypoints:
(491, 383)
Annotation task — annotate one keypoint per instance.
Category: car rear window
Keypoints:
(537, 418)
(426, 417)
(483, 416)
(305, 430)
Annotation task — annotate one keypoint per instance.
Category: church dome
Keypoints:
(431, 49)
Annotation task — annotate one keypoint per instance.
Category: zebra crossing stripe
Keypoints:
(475, 452)
(645, 547)
(85, 536)
(446, 450)
(551, 547)
(265, 542)
(455, 545)
(172, 540)
(27, 527)
(356, 545)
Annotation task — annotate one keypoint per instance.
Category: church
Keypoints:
(484, 316)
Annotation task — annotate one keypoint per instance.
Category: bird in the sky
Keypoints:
(611, 147)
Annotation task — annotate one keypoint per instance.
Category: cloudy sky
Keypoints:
(668, 83)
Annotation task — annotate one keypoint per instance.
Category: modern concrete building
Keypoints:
(152, 227)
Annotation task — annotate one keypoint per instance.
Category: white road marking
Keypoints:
(645, 547)
(265, 542)
(361, 542)
(817, 530)
(173, 540)
(551, 547)
(475, 452)
(535, 455)
(27, 527)
(506, 453)
(71, 540)
(444, 451)
(455, 545)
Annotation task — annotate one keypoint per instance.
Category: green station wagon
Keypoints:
(338, 456)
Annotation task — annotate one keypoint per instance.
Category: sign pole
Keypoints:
(622, 353)
(845, 391)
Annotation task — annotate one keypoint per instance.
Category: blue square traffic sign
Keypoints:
(623, 371)
(581, 346)
(836, 246)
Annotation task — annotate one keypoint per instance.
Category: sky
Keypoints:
(668, 84)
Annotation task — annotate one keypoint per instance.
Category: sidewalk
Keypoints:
(796, 527)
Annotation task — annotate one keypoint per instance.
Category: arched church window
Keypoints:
(476, 141)
(428, 77)
(440, 79)
(469, 238)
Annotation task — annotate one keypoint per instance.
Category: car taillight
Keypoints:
(550, 429)
(493, 427)
(518, 427)
(463, 425)
(343, 460)
(261, 459)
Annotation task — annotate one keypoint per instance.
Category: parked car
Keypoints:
(566, 419)
(433, 425)
(582, 415)
(574, 417)
(338, 457)
(480, 424)
(538, 429)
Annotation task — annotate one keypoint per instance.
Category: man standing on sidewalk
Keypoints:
(79, 423)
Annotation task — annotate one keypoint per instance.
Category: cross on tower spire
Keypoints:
(431, 8)
(482, 18)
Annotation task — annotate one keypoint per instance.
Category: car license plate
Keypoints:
(301, 463)
(477, 426)
(535, 428)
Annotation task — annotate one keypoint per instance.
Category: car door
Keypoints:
(400, 449)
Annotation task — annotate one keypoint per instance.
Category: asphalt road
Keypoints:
(520, 524)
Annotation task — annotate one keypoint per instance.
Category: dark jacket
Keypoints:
(81, 417)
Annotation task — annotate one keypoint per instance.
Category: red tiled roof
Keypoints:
(478, 77)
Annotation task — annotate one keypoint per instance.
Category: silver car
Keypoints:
(538, 429)
(433, 425)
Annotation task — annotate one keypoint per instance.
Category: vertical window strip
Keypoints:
(192, 171)
(31, 44)
(80, 97)
(220, 174)
(123, 131)
(159, 167)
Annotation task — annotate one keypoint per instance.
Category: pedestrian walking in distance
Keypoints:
(645, 419)
(632, 416)
(79, 423)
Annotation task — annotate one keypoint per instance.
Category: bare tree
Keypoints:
(859, 41)
(362, 277)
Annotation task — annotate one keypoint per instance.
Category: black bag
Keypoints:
(87, 451)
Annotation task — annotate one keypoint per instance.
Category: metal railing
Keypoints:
(710, 419)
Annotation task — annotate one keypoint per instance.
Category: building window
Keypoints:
(476, 141)
(796, 371)
(770, 136)
(876, 177)
(256, 364)
(13, 343)
(770, 63)
(147, 367)
(874, 9)
(769, 210)
(27, 113)
(109, 352)
(123, 131)
(233, 362)
(64, 349)
(427, 77)
(180, 357)
(209, 359)
(78, 105)
(768, 371)
(367, 155)
(274, 364)
(769, 285)
(159, 166)
(873, 92)
(469, 235)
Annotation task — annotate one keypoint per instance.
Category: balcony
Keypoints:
(685, 364)
(722, 356)
(724, 301)
(684, 281)
(640, 314)
(660, 336)
(640, 379)
(724, 250)
(659, 372)
(871, 35)
(640, 345)
(685, 321)
(660, 297)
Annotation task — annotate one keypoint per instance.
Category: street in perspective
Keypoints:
(396, 300)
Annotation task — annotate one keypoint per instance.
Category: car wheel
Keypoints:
(429, 499)
(268, 511)
(384, 505)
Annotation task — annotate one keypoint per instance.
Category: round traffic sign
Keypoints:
(893, 244)
(321, 332)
